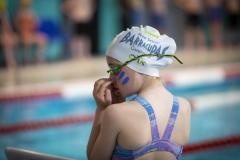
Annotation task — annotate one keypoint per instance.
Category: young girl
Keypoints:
(152, 123)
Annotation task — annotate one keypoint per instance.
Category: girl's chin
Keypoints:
(118, 98)
(124, 95)
(118, 93)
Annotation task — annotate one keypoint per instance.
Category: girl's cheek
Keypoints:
(123, 78)
(125, 81)
(121, 75)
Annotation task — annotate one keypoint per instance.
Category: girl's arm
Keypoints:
(104, 135)
(95, 130)
(103, 96)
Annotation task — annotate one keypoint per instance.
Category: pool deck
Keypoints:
(75, 78)
(82, 69)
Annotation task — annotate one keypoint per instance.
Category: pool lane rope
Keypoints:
(30, 95)
(33, 125)
(189, 148)
(211, 144)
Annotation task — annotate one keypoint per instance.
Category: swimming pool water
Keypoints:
(56, 107)
(71, 140)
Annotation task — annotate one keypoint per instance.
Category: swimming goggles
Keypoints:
(116, 68)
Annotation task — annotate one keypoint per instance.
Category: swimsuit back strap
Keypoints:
(151, 115)
(172, 118)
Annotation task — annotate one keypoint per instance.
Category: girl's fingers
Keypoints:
(108, 96)
(98, 84)
(103, 87)
(102, 92)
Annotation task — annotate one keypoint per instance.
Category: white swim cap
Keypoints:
(143, 40)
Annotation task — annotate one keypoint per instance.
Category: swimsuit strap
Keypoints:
(157, 144)
(172, 118)
(151, 115)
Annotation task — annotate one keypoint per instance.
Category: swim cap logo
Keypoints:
(142, 44)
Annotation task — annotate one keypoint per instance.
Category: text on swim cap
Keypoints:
(141, 44)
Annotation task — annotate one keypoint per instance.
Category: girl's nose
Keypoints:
(113, 78)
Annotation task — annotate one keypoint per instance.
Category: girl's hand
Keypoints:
(103, 93)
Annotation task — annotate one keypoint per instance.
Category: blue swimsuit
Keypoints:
(157, 144)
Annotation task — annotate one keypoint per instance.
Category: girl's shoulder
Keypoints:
(121, 110)
(184, 104)
(185, 116)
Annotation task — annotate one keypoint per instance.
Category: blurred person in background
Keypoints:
(79, 16)
(175, 20)
(31, 42)
(7, 39)
(215, 22)
(152, 123)
(141, 12)
(232, 23)
(134, 12)
(157, 14)
(194, 35)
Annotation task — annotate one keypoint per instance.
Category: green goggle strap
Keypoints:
(119, 67)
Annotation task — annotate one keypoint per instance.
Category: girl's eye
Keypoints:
(114, 69)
